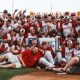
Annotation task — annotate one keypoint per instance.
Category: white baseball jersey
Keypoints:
(77, 28)
(68, 53)
(67, 29)
(78, 40)
(77, 52)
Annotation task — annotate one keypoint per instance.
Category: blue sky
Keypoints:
(41, 5)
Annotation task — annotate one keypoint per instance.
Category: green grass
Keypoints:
(6, 74)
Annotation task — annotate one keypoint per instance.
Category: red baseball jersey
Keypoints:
(30, 58)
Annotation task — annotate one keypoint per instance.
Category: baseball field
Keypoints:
(33, 74)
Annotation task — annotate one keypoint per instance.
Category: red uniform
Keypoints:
(50, 49)
(52, 52)
(2, 48)
(74, 24)
(30, 58)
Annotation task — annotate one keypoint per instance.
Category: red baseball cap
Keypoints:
(73, 14)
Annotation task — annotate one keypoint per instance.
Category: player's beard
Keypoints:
(34, 52)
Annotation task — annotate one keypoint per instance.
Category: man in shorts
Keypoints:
(75, 61)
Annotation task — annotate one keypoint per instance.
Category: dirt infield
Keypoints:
(43, 75)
